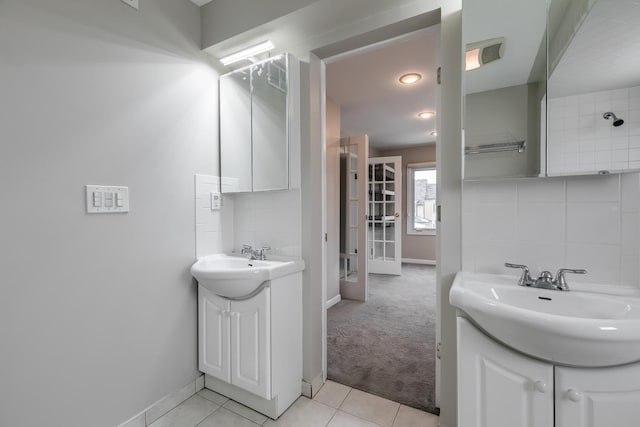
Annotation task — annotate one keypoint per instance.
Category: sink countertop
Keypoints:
(590, 325)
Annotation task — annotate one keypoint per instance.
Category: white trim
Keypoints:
(419, 261)
(333, 301)
(160, 407)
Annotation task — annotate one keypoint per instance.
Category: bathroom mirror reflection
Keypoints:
(593, 87)
(505, 84)
(254, 145)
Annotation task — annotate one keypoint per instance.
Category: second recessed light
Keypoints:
(426, 114)
(410, 78)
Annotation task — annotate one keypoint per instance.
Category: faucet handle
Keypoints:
(561, 282)
(525, 278)
(246, 249)
(261, 253)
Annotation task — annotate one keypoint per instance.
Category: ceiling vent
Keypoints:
(484, 52)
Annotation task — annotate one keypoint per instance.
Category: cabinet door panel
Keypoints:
(213, 335)
(598, 397)
(498, 387)
(250, 342)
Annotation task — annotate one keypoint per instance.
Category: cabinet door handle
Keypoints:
(573, 395)
(540, 386)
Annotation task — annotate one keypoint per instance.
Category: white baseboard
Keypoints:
(164, 405)
(333, 301)
(310, 389)
(419, 261)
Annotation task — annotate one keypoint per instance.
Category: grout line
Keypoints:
(396, 416)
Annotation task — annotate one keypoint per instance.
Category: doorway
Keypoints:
(382, 321)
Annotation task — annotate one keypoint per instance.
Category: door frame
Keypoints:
(318, 70)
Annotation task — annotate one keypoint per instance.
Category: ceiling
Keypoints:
(521, 22)
(200, 2)
(604, 53)
(372, 101)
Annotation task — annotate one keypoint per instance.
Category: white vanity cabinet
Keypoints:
(498, 387)
(235, 340)
(251, 349)
(598, 397)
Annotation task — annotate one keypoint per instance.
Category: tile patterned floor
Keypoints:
(335, 405)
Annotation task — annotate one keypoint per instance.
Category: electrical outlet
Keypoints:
(132, 3)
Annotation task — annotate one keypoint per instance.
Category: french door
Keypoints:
(354, 151)
(384, 226)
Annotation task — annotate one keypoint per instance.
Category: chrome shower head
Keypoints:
(616, 121)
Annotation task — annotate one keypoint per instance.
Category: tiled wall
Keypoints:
(270, 218)
(214, 228)
(588, 222)
(580, 139)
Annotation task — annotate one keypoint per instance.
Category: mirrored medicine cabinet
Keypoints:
(256, 125)
(593, 87)
(569, 105)
(504, 87)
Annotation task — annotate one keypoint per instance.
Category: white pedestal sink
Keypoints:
(574, 328)
(238, 277)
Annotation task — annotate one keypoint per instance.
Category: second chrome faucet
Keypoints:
(252, 254)
(545, 280)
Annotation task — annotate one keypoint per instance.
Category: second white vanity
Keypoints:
(538, 358)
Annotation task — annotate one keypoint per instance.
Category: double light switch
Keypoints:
(107, 199)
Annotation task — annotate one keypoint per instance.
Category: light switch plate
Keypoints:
(216, 201)
(132, 3)
(107, 199)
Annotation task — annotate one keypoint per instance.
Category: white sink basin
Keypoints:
(575, 328)
(236, 277)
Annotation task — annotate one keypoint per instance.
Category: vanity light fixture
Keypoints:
(410, 78)
(426, 114)
(247, 53)
(434, 133)
(483, 52)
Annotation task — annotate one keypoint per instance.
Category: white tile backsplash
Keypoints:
(270, 218)
(588, 222)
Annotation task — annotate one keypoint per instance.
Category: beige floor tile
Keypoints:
(342, 419)
(332, 394)
(213, 396)
(410, 417)
(304, 413)
(243, 411)
(371, 408)
(187, 414)
(225, 418)
(169, 402)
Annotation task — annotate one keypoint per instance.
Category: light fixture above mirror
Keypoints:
(247, 53)
(426, 115)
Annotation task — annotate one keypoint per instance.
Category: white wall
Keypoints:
(588, 222)
(98, 312)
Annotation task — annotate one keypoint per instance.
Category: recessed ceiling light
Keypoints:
(410, 78)
(434, 133)
(426, 114)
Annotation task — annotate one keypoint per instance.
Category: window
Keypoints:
(421, 198)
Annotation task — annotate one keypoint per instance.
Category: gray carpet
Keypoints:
(386, 346)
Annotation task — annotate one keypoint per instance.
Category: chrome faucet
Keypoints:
(252, 254)
(546, 279)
